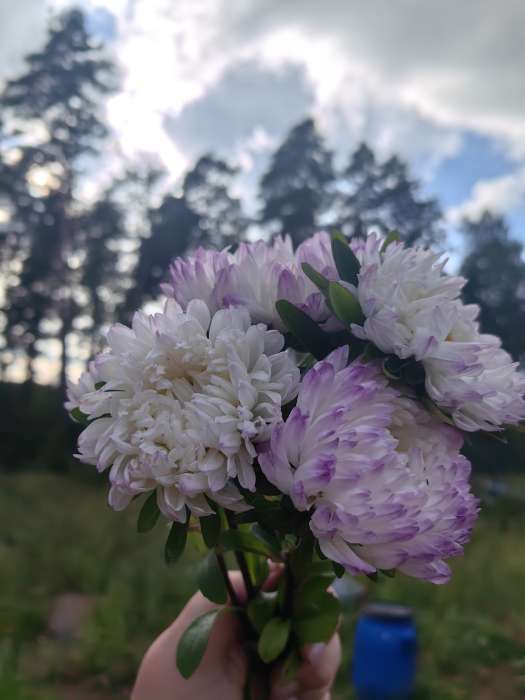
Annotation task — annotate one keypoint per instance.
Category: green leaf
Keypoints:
(301, 558)
(316, 621)
(304, 329)
(347, 264)
(392, 367)
(272, 517)
(196, 542)
(392, 237)
(245, 542)
(265, 487)
(211, 530)
(193, 643)
(516, 427)
(322, 556)
(389, 572)
(257, 567)
(281, 593)
(413, 373)
(210, 580)
(320, 281)
(312, 587)
(338, 235)
(306, 363)
(79, 416)
(273, 639)
(250, 516)
(345, 305)
(261, 609)
(149, 513)
(267, 537)
(290, 667)
(321, 568)
(176, 542)
(339, 570)
(371, 352)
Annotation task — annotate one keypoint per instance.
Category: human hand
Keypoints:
(223, 670)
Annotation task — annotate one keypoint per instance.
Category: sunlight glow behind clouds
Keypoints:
(410, 77)
(234, 75)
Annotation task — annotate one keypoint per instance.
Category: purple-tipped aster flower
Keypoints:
(255, 277)
(384, 481)
(195, 277)
(412, 309)
(317, 252)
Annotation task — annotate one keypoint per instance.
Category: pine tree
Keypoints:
(53, 114)
(381, 196)
(295, 190)
(102, 228)
(204, 214)
(36, 293)
(207, 191)
(495, 272)
(173, 227)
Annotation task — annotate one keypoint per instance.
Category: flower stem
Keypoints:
(241, 561)
(224, 571)
(288, 591)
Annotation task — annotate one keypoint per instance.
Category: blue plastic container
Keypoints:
(385, 647)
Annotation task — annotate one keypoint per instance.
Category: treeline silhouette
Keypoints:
(71, 264)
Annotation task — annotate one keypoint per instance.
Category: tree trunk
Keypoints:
(65, 330)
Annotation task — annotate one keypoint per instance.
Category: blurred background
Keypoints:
(132, 131)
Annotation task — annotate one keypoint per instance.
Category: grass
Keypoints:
(57, 535)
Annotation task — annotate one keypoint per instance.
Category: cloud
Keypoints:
(23, 29)
(246, 97)
(457, 64)
(241, 118)
(410, 77)
(499, 195)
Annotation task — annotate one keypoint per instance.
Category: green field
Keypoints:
(58, 536)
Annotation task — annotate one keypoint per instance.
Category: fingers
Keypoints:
(316, 675)
(225, 663)
(224, 660)
(225, 642)
(276, 571)
(225, 652)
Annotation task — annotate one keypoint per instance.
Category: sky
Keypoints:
(439, 83)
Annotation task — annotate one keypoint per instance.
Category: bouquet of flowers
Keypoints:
(305, 407)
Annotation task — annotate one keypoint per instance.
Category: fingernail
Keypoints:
(315, 652)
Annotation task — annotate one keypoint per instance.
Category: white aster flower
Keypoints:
(186, 397)
(396, 290)
(77, 390)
